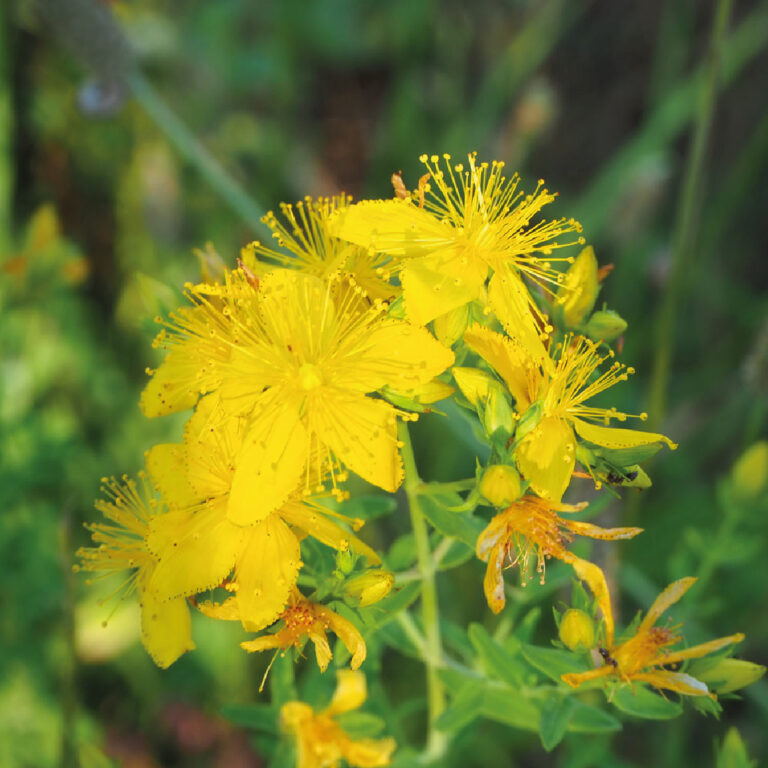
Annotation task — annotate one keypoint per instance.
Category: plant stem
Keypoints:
(684, 234)
(195, 153)
(430, 616)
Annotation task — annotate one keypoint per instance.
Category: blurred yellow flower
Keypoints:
(320, 740)
(639, 658)
(124, 543)
(531, 528)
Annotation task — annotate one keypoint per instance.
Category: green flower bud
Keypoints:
(345, 561)
(500, 485)
(498, 413)
(577, 630)
(369, 587)
(578, 292)
(726, 675)
(606, 325)
(749, 476)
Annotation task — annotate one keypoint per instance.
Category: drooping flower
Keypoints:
(124, 544)
(320, 740)
(474, 221)
(306, 244)
(304, 620)
(641, 658)
(551, 399)
(532, 530)
(202, 549)
(304, 363)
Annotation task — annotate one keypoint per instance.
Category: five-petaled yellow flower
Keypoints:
(320, 740)
(472, 223)
(202, 546)
(531, 528)
(136, 520)
(551, 395)
(642, 657)
(304, 364)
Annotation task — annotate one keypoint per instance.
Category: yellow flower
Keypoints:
(134, 517)
(303, 620)
(640, 658)
(312, 249)
(551, 400)
(473, 221)
(531, 528)
(202, 546)
(303, 362)
(579, 289)
(320, 740)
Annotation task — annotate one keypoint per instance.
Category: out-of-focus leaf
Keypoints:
(732, 753)
(552, 662)
(556, 714)
(637, 700)
(588, 719)
(260, 717)
(500, 662)
(361, 725)
(465, 707)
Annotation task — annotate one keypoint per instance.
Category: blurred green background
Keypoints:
(110, 179)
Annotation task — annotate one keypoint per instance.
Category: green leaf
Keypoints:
(458, 553)
(639, 701)
(552, 662)
(589, 719)
(402, 553)
(500, 662)
(556, 715)
(361, 725)
(261, 717)
(506, 705)
(465, 707)
(454, 525)
(368, 507)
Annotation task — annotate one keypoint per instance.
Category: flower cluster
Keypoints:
(296, 367)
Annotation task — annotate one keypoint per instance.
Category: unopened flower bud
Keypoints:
(726, 675)
(450, 327)
(474, 384)
(345, 561)
(500, 485)
(370, 587)
(749, 476)
(606, 325)
(498, 413)
(578, 292)
(577, 630)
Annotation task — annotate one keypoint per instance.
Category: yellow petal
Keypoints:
(362, 433)
(323, 654)
(395, 227)
(174, 385)
(474, 384)
(697, 651)
(674, 681)
(596, 532)
(266, 572)
(348, 633)
(351, 692)
(493, 583)
(201, 558)
(436, 284)
(263, 643)
(226, 611)
(167, 467)
(396, 354)
(668, 597)
(269, 466)
(509, 359)
(166, 630)
(512, 304)
(333, 535)
(368, 753)
(575, 679)
(546, 457)
(595, 579)
(615, 437)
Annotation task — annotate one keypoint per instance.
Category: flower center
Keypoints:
(309, 377)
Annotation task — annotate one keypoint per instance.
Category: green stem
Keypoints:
(195, 153)
(684, 235)
(430, 616)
